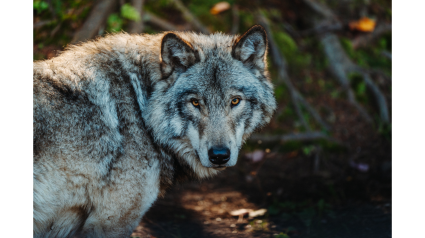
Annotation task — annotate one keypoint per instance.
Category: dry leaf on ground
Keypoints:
(239, 212)
(364, 24)
(255, 156)
(220, 7)
(258, 213)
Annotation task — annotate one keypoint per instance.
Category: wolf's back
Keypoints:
(59, 110)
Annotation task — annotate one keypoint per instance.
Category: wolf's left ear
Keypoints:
(251, 47)
(176, 54)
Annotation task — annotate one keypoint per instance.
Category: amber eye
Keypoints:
(235, 101)
(195, 102)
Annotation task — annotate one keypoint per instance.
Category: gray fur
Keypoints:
(114, 124)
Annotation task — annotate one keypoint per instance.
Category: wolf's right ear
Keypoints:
(176, 54)
(251, 48)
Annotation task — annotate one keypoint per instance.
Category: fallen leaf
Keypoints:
(258, 213)
(239, 212)
(220, 7)
(364, 24)
(255, 156)
(362, 167)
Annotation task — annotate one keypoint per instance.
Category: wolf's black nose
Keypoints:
(219, 155)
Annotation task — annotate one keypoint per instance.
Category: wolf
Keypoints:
(118, 120)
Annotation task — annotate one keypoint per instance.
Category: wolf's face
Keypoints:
(214, 95)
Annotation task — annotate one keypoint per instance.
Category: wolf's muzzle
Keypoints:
(219, 155)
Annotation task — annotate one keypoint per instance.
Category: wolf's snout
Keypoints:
(219, 155)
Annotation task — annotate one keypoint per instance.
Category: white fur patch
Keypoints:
(141, 97)
(176, 124)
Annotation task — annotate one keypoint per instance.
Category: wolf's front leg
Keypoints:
(98, 225)
(118, 207)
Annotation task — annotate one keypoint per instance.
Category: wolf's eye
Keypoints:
(235, 101)
(195, 102)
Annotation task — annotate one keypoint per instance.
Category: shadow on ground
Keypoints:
(337, 201)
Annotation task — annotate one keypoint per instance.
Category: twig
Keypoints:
(379, 72)
(235, 20)
(56, 29)
(321, 29)
(94, 21)
(321, 9)
(387, 54)
(313, 112)
(307, 136)
(137, 26)
(317, 152)
(187, 15)
(159, 22)
(280, 64)
(42, 23)
(339, 64)
(379, 96)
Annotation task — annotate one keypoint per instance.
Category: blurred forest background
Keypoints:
(322, 168)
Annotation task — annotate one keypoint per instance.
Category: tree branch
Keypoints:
(379, 96)
(42, 23)
(95, 20)
(137, 27)
(306, 136)
(321, 9)
(159, 22)
(339, 63)
(280, 64)
(235, 20)
(187, 15)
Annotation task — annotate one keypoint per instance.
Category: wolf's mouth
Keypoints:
(220, 168)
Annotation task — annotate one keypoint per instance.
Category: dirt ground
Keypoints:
(336, 201)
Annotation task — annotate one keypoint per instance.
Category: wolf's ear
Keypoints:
(251, 47)
(176, 54)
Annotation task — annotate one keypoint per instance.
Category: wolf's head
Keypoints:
(214, 93)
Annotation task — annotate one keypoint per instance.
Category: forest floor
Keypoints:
(336, 201)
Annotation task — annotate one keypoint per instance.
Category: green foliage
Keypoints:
(306, 211)
(288, 45)
(259, 225)
(308, 150)
(40, 6)
(201, 10)
(385, 130)
(370, 57)
(279, 92)
(289, 48)
(247, 19)
(335, 94)
(287, 112)
(282, 235)
(129, 12)
(359, 86)
(115, 23)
